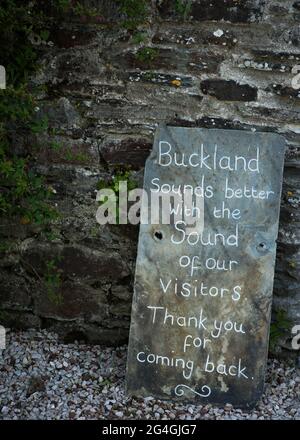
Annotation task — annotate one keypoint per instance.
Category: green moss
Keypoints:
(278, 329)
(52, 281)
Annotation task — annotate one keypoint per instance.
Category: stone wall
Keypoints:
(228, 64)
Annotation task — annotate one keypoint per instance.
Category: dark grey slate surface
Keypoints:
(159, 363)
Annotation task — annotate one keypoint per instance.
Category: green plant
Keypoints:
(55, 146)
(183, 8)
(18, 20)
(4, 316)
(53, 282)
(149, 76)
(16, 105)
(5, 246)
(135, 12)
(50, 235)
(138, 37)
(62, 5)
(39, 125)
(114, 184)
(77, 8)
(76, 156)
(147, 55)
(80, 9)
(69, 154)
(22, 192)
(105, 382)
(94, 231)
(278, 328)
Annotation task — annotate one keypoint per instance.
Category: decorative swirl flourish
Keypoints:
(179, 391)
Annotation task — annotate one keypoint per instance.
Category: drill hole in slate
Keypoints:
(158, 235)
(262, 246)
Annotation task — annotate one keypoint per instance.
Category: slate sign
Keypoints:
(202, 296)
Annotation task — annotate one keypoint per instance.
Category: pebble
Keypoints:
(43, 379)
(228, 407)
(218, 33)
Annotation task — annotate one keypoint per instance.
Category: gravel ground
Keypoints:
(43, 379)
